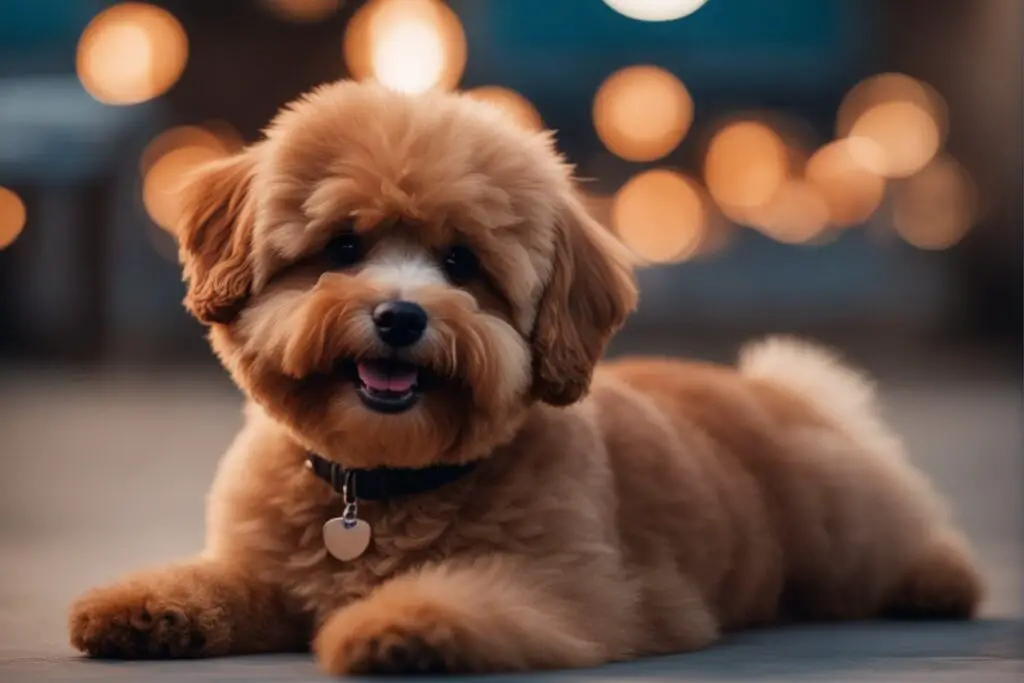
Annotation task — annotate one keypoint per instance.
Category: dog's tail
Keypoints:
(844, 396)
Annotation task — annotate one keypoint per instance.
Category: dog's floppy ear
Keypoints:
(215, 237)
(590, 293)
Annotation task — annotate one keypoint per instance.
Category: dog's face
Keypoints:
(397, 278)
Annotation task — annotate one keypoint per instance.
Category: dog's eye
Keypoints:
(344, 250)
(460, 263)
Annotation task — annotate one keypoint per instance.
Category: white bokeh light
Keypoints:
(408, 45)
(655, 10)
(409, 56)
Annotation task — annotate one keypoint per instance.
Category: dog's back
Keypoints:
(777, 489)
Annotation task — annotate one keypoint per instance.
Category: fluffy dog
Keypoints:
(409, 282)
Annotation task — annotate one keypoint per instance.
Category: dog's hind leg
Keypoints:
(941, 584)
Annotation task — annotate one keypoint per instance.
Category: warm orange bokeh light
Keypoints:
(905, 117)
(641, 113)
(889, 87)
(217, 136)
(131, 53)
(661, 215)
(303, 11)
(935, 208)
(796, 213)
(408, 45)
(162, 183)
(907, 135)
(514, 105)
(850, 189)
(12, 217)
(745, 166)
(168, 159)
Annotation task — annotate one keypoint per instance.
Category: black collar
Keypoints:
(382, 483)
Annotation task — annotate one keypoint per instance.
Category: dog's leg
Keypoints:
(195, 609)
(941, 584)
(488, 616)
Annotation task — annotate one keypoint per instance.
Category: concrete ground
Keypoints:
(104, 473)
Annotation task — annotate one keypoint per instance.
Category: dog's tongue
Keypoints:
(379, 378)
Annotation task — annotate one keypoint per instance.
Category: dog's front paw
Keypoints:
(134, 621)
(393, 651)
(363, 641)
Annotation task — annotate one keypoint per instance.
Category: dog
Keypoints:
(435, 473)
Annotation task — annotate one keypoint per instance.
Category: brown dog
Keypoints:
(411, 282)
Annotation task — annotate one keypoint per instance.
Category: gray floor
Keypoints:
(106, 473)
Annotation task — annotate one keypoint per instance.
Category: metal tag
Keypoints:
(346, 539)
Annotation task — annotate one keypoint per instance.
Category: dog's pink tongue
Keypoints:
(378, 379)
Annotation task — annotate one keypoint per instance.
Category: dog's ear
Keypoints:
(214, 236)
(590, 293)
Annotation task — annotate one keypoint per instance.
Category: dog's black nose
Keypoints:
(400, 323)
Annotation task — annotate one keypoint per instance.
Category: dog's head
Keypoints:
(397, 278)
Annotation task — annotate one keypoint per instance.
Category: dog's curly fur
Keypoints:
(645, 508)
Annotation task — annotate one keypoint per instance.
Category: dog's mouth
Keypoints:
(389, 385)
(384, 385)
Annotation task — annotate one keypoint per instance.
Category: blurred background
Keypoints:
(846, 169)
(841, 167)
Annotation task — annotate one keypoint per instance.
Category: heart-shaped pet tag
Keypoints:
(346, 540)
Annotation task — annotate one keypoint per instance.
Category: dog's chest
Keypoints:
(402, 538)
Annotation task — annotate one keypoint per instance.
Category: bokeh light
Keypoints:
(889, 87)
(303, 11)
(798, 212)
(12, 217)
(745, 166)
(209, 136)
(906, 118)
(514, 105)
(641, 113)
(935, 208)
(130, 53)
(168, 159)
(849, 186)
(661, 215)
(906, 134)
(655, 10)
(408, 45)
